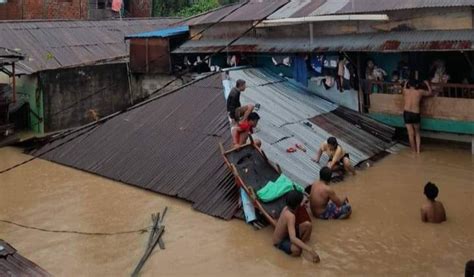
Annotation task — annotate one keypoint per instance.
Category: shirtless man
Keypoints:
(337, 155)
(324, 202)
(235, 110)
(288, 237)
(432, 211)
(242, 131)
(412, 95)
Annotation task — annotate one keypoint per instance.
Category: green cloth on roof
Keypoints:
(274, 190)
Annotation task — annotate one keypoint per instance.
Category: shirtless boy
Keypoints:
(337, 155)
(288, 237)
(324, 202)
(432, 211)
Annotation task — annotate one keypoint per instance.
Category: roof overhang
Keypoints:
(434, 41)
(323, 18)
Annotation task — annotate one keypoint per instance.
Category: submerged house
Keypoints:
(73, 71)
(354, 52)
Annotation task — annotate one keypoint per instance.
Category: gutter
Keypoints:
(323, 18)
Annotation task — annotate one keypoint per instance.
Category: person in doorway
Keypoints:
(432, 211)
(412, 96)
(337, 156)
(234, 108)
(241, 132)
(324, 202)
(289, 237)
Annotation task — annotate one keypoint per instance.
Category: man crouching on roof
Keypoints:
(289, 237)
(242, 131)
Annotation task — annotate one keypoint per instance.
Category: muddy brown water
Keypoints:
(383, 237)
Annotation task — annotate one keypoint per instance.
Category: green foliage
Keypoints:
(198, 7)
(186, 8)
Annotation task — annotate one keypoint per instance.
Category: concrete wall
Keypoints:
(70, 93)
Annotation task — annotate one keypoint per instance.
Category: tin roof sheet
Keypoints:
(168, 145)
(287, 111)
(13, 264)
(161, 33)
(248, 11)
(58, 44)
(304, 8)
(369, 42)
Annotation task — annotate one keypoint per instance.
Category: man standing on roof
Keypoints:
(337, 156)
(234, 108)
(412, 95)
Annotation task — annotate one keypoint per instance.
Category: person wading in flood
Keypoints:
(432, 211)
(412, 95)
(289, 237)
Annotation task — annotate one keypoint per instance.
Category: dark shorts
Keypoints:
(411, 118)
(341, 161)
(285, 244)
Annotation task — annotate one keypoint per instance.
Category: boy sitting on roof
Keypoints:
(433, 211)
(242, 131)
(337, 156)
(289, 237)
(324, 202)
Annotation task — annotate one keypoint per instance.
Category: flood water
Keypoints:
(383, 237)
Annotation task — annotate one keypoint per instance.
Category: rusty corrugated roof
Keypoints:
(13, 264)
(248, 11)
(58, 44)
(168, 145)
(304, 8)
(369, 42)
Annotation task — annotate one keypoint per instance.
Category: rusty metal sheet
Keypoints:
(168, 145)
(304, 8)
(55, 44)
(370, 42)
(13, 264)
(247, 11)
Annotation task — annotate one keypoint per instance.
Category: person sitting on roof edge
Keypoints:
(241, 132)
(289, 237)
(337, 156)
(432, 211)
(236, 111)
(324, 202)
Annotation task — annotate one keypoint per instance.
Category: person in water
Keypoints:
(289, 237)
(432, 211)
(412, 96)
(337, 156)
(324, 202)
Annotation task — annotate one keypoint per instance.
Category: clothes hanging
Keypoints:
(300, 70)
(116, 5)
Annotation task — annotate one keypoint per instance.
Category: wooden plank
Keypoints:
(433, 107)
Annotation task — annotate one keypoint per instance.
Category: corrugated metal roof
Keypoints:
(248, 11)
(162, 33)
(285, 111)
(57, 44)
(8, 56)
(13, 264)
(304, 8)
(168, 145)
(369, 42)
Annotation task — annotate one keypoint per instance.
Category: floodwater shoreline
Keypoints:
(384, 236)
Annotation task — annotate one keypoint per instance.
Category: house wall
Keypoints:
(70, 93)
(140, 8)
(44, 9)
